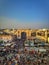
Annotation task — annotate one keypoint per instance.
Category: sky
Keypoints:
(32, 14)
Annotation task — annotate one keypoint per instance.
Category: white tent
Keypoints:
(42, 50)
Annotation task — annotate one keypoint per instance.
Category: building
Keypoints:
(43, 34)
(22, 33)
(5, 37)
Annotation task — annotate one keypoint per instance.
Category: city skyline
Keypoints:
(32, 14)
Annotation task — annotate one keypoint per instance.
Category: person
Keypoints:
(42, 60)
(18, 62)
(13, 63)
(28, 61)
(9, 62)
(39, 61)
(45, 60)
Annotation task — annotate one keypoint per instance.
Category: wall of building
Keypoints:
(6, 37)
(28, 33)
(42, 37)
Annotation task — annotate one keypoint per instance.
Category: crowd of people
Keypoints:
(23, 57)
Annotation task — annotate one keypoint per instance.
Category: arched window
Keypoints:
(33, 34)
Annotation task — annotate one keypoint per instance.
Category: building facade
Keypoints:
(42, 34)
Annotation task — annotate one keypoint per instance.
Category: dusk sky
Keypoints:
(24, 14)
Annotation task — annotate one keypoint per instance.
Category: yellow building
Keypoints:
(43, 34)
(19, 32)
(6, 37)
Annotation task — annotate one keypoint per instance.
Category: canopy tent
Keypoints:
(42, 50)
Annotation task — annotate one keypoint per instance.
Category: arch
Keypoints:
(23, 35)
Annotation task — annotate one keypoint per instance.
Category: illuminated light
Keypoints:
(44, 29)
